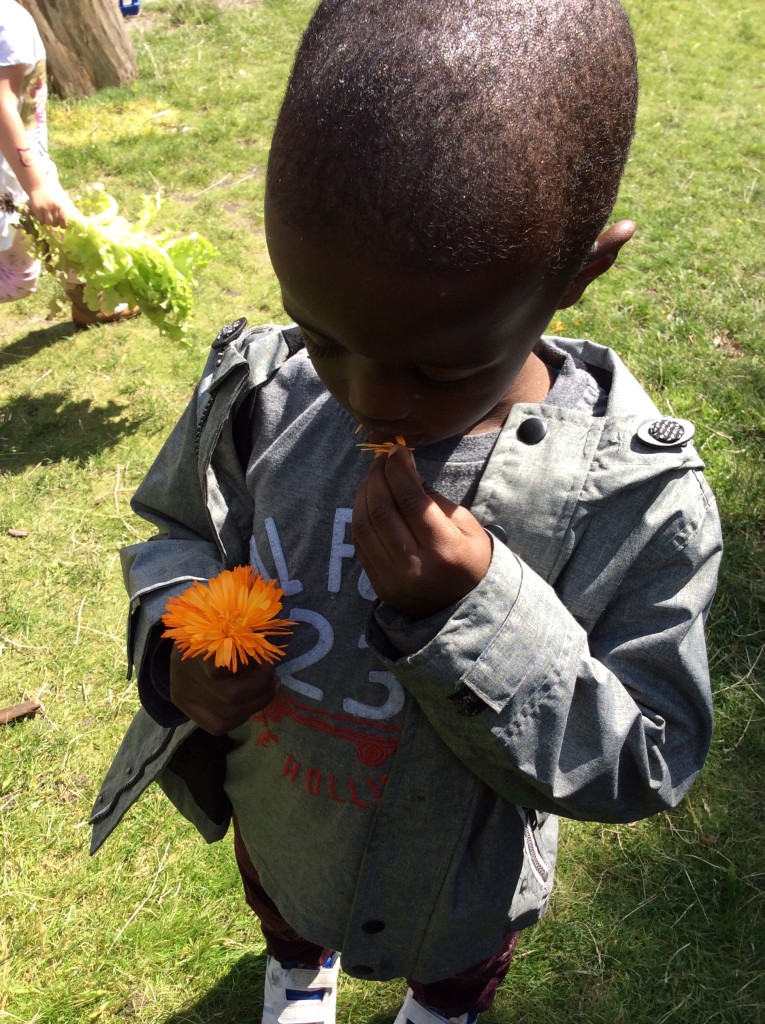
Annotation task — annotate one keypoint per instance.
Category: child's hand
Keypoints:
(420, 550)
(218, 700)
(47, 208)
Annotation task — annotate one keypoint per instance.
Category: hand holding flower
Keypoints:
(217, 699)
(420, 550)
(228, 619)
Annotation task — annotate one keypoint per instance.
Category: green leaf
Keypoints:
(120, 262)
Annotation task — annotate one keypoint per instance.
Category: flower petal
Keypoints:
(228, 619)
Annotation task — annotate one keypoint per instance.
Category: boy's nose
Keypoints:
(376, 392)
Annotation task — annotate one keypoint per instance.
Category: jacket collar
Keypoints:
(532, 490)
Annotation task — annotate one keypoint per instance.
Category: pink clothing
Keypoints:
(19, 272)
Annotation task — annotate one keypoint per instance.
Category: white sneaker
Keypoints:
(413, 1013)
(281, 999)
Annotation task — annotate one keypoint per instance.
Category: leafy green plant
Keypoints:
(119, 262)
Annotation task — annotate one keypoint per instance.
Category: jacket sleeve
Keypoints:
(609, 724)
(196, 495)
(173, 497)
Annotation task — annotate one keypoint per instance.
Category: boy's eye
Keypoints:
(325, 350)
(443, 377)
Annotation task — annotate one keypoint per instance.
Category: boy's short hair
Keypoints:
(449, 134)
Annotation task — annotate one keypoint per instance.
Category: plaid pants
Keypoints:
(470, 991)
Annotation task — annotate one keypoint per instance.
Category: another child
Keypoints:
(27, 174)
(505, 625)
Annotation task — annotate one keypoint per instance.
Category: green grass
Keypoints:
(652, 923)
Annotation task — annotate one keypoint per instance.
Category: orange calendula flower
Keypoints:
(385, 446)
(230, 617)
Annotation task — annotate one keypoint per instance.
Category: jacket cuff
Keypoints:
(154, 681)
(401, 634)
(443, 652)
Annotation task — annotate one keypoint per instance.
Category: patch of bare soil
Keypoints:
(728, 344)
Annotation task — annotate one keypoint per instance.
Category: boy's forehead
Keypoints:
(348, 297)
(329, 247)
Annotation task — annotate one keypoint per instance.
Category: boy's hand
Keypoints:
(218, 700)
(420, 550)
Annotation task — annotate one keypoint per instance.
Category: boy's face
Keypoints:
(426, 356)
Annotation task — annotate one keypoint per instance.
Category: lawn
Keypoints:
(662, 921)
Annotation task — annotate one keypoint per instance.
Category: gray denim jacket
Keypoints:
(572, 681)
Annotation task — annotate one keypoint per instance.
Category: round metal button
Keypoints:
(372, 927)
(666, 433)
(532, 430)
(230, 332)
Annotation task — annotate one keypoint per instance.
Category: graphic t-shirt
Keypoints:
(20, 43)
(319, 752)
(312, 765)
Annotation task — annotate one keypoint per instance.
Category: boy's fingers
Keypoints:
(227, 690)
(197, 681)
(231, 706)
(206, 719)
(378, 526)
(421, 508)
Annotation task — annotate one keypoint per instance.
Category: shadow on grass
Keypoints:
(36, 341)
(236, 999)
(51, 427)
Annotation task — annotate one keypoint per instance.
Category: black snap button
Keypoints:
(666, 433)
(498, 532)
(363, 970)
(372, 927)
(532, 430)
(230, 332)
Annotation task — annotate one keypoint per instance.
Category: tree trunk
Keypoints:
(87, 44)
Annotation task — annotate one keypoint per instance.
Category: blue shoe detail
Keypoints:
(290, 965)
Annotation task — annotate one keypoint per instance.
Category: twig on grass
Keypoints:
(223, 182)
(26, 709)
(698, 900)
(674, 1010)
(215, 184)
(676, 953)
(115, 492)
(79, 622)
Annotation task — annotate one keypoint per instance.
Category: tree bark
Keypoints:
(87, 44)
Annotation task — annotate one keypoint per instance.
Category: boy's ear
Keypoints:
(601, 258)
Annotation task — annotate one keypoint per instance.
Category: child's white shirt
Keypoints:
(21, 44)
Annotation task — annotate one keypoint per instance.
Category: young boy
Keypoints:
(501, 627)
